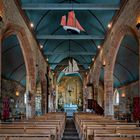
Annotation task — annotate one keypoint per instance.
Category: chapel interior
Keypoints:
(69, 69)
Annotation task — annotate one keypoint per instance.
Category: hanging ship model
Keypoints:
(72, 68)
(71, 24)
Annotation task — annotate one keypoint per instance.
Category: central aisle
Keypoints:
(70, 132)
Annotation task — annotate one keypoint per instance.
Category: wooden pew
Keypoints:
(89, 125)
(52, 124)
(89, 129)
(114, 137)
(25, 137)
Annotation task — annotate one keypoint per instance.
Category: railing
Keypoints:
(97, 108)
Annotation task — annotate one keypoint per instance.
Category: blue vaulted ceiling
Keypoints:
(46, 19)
(59, 46)
(13, 65)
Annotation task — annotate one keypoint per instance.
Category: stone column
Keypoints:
(95, 88)
(32, 102)
(84, 98)
(90, 92)
(56, 98)
(139, 68)
(108, 98)
(43, 101)
(0, 59)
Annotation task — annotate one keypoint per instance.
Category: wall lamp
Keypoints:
(17, 93)
(138, 25)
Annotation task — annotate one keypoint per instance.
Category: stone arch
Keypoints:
(116, 41)
(94, 76)
(109, 68)
(19, 31)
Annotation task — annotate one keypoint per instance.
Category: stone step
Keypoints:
(70, 138)
(70, 133)
(70, 127)
(70, 130)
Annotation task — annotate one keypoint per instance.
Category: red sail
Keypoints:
(79, 26)
(63, 21)
(71, 19)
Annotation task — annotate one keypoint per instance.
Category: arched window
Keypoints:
(116, 97)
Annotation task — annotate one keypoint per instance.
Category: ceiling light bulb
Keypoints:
(41, 46)
(99, 46)
(109, 25)
(31, 24)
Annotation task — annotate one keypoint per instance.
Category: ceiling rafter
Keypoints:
(65, 64)
(64, 41)
(12, 47)
(67, 57)
(72, 53)
(117, 79)
(69, 6)
(126, 69)
(69, 37)
(91, 12)
(131, 50)
(13, 71)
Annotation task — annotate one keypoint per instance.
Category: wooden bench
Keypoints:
(25, 137)
(89, 126)
(52, 124)
(114, 137)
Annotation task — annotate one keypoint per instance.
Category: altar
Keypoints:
(70, 109)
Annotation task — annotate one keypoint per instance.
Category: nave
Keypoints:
(69, 69)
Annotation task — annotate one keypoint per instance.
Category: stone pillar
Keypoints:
(90, 92)
(139, 68)
(43, 101)
(108, 98)
(56, 99)
(32, 104)
(0, 59)
(95, 88)
(84, 98)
